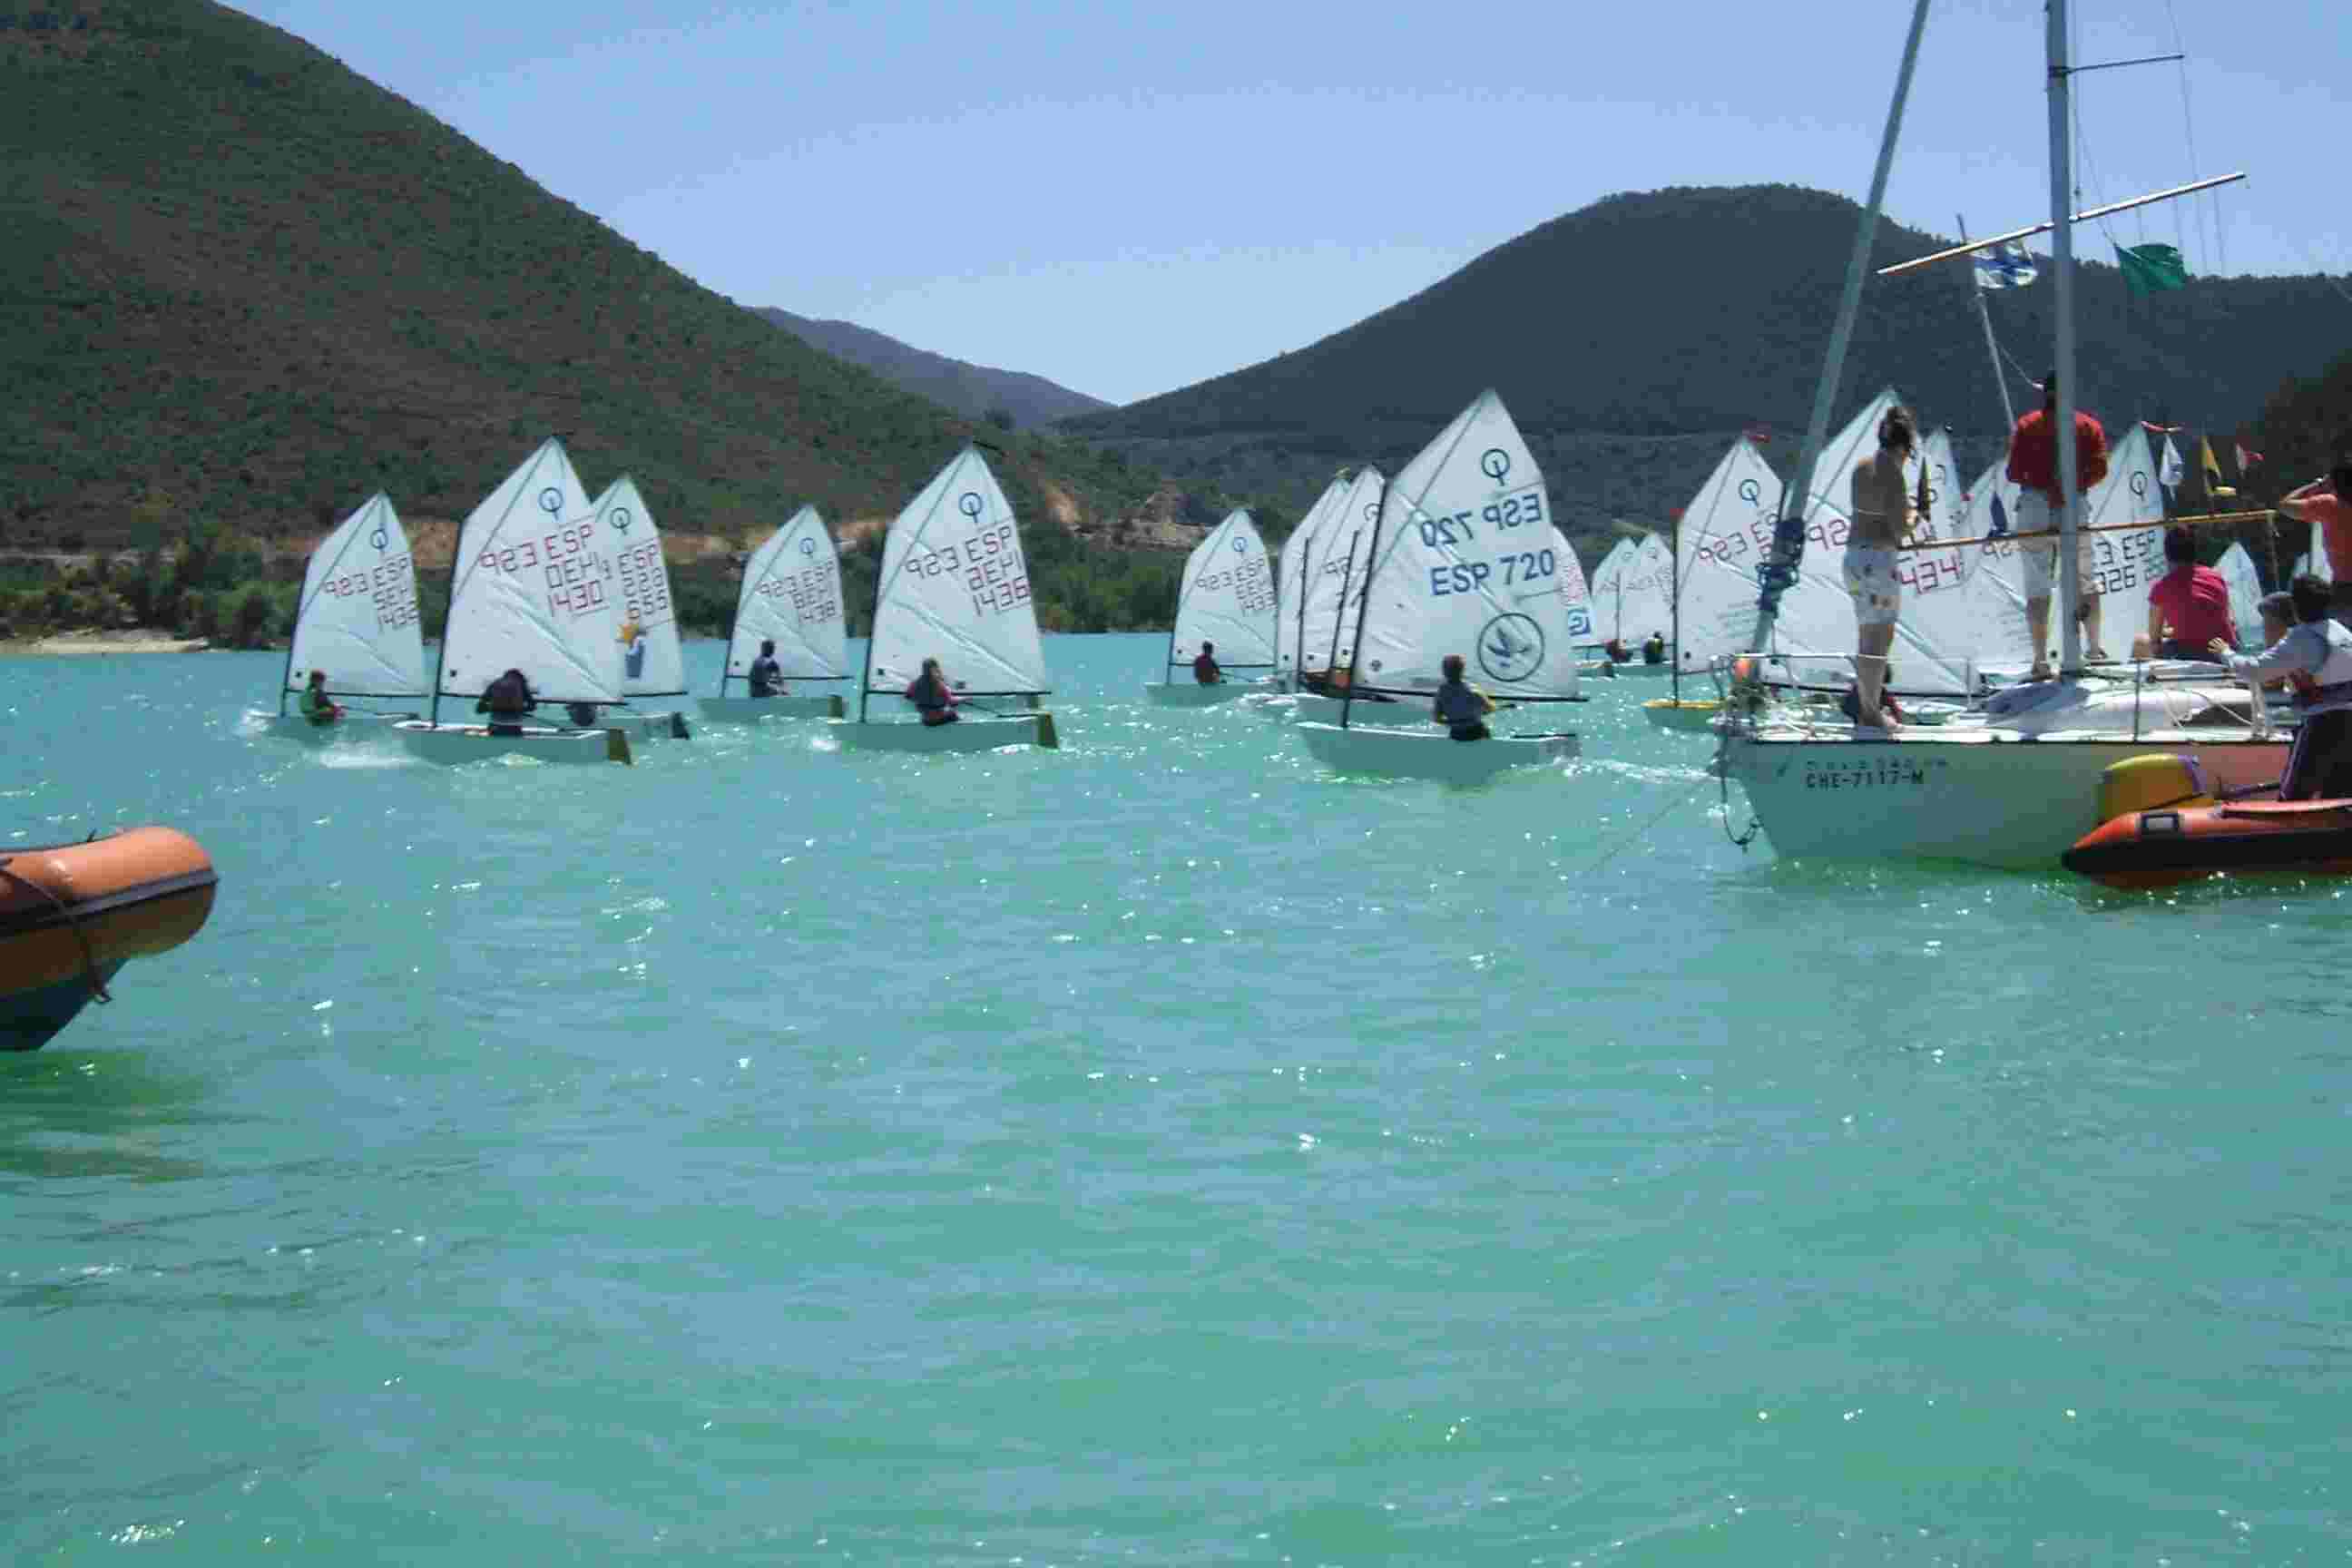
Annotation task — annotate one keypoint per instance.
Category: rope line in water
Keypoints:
(1632, 838)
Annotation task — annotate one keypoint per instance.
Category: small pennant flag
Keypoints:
(2151, 268)
(1759, 434)
(2004, 266)
(2169, 469)
(2214, 488)
(2247, 460)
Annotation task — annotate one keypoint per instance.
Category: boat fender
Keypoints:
(1046, 735)
(2153, 783)
(616, 747)
(678, 730)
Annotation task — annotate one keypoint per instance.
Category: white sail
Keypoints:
(2316, 558)
(1725, 536)
(2123, 565)
(651, 662)
(1295, 552)
(1465, 564)
(1227, 599)
(357, 621)
(1336, 563)
(1962, 610)
(955, 587)
(1603, 589)
(532, 591)
(792, 596)
(2237, 570)
(1632, 592)
(1575, 593)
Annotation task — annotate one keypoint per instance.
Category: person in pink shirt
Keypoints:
(2189, 606)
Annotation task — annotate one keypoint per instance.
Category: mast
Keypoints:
(1789, 533)
(1363, 607)
(1992, 348)
(2062, 260)
(448, 614)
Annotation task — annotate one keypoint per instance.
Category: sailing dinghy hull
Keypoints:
(472, 743)
(761, 710)
(1972, 795)
(1427, 754)
(351, 729)
(964, 735)
(1688, 715)
(1308, 708)
(1193, 694)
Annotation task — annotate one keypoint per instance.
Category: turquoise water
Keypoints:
(1150, 1152)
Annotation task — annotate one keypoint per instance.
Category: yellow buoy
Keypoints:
(2151, 783)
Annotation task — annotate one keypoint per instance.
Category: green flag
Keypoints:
(2151, 268)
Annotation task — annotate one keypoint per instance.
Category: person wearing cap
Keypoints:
(1205, 669)
(1461, 707)
(2319, 650)
(766, 677)
(2033, 466)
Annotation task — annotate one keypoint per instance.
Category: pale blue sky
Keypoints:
(1130, 200)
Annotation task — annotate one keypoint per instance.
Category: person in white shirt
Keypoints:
(2319, 649)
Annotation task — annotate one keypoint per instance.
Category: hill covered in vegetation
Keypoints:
(1008, 398)
(1632, 339)
(244, 287)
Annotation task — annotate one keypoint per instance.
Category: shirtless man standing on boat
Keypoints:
(1881, 515)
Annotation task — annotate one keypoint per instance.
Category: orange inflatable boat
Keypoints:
(2157, 848)
(73, 914)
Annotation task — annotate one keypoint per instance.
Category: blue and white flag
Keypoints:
(2005, 266)
(2169, 467)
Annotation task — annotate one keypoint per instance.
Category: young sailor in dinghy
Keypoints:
(1205, 669)
(933, 696)
(766, 677)
(317, 706)
(509, 700)
(2319, 767)
(1654, 651)
(1461, 707)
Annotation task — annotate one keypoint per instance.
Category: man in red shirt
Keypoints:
(2189, 606)
(2033, 464)
(2328, 503)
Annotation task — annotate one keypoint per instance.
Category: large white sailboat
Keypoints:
(531, 590)
(356, 623)
(653, 665)
(1227, 597)
(1986, 793)
(790, 595)
(1461, 562)
(955, 587)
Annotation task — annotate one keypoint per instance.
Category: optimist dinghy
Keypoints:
(955, 587)
(529, 590)
(790, 596)
(356, 625)
(1461, 562)
(1227, 599)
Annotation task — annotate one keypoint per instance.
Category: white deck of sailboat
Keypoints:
(1430, 753)
(976, 733)
(474, 743)
(763, 709)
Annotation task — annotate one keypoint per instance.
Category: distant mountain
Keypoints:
(1632, 339)
(243, 284)
(975, 391)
